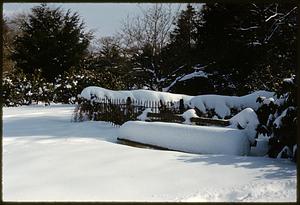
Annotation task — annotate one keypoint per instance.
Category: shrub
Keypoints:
(20, 89)
(278, 120)
(105, 110)
(70, 84)
(13, 89)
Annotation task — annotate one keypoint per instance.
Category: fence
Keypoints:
(119, 111)
(166, 117)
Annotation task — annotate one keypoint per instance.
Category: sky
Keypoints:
(104, 19)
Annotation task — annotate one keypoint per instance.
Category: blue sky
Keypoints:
(104, 18)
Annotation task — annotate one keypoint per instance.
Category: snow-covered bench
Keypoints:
(196, 139)
(187, 138)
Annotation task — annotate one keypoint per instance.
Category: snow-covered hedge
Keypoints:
(220, 104)
(187, 138)
(108, 111)
(140, 95)
(278, 120)
(69, 85)
(20, 89)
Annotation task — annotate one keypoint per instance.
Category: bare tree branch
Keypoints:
(151, 27)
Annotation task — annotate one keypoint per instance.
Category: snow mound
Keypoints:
(141, 95)
(248, 121)
(187, 115)
(143, 116)
(187, 138)
(220, 103)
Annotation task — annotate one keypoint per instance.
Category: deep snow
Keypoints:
(48, 157)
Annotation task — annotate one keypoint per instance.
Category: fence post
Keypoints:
(181, 106)
(128, 101)
(128, 108)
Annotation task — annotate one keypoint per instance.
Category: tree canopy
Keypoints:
(51, 40)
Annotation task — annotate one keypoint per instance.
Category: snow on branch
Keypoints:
(268, 19)
(195, 74)
(278, 19)
(246, 29)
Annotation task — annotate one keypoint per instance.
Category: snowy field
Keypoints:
(46, 157)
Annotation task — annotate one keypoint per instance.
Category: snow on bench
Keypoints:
(187, 138)
(196, 139)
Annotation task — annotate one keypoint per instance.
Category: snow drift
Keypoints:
(48, 158)
(220, 103)
(187, 138)
(248, 121)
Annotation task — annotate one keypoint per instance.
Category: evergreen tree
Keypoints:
(278, 119)
(145, 72)
(244, 47)
(108, 57)
(179, 52)
(8, 47)
(51, 40)
(255, 42)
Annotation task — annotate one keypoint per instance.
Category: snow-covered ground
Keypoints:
(48, 157)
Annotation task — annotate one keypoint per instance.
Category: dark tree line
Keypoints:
(250, 46)
(241, 47)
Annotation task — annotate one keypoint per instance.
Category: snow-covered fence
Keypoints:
(119, 111)
(170, 117)
(125, 105)
(217, 106)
